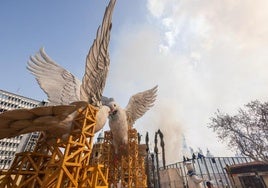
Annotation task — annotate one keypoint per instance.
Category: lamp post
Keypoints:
(149, 181)
(157, 160)
(153, 169)
(163, 147)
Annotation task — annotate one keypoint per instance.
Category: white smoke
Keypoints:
(203, 55)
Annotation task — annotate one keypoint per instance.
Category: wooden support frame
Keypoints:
(28, 168)
(65, 164)
(96, 177)
(127, 167)
(71, 169)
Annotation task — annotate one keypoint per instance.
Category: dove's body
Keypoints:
(119, 126)
(120, 119)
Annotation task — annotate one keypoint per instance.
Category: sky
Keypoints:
(203, 55)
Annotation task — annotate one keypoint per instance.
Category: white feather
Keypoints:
(120, 119)
(63, 88)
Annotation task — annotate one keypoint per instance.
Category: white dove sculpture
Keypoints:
(63, 88)
(120, 119)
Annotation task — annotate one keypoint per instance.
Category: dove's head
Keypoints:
(114, 107)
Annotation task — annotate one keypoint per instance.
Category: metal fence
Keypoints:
(208, 168)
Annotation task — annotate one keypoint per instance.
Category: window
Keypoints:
(252, 182)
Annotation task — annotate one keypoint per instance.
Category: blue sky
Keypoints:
(203, 55)
(64, 28)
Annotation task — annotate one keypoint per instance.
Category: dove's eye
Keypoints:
(114, 105)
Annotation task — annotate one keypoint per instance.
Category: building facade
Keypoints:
(253, 174)
(10, 146)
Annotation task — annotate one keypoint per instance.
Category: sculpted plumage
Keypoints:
(63, 88)
(120, 119)
(54, 120)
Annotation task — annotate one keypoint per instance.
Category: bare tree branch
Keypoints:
(247, 131)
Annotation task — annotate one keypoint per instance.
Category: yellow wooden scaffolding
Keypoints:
(127, 167)
(65, 164)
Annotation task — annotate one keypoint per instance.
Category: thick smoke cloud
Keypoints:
(203, 55)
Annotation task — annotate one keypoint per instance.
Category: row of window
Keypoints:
(6, 153)
(4, 96)
(2, 110)
(16, 138)
(16, 99)
(9, 144)
(7, 149)
(5, 162)
(9, 105)
(13, 105)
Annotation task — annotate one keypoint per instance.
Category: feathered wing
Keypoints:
(139, 104)
(54, 120)
(59, 84)
(98, 61)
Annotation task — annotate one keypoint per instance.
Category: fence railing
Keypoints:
(209, 168)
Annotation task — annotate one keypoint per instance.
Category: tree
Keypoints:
(247, 131)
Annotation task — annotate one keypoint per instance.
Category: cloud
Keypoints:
(203, 55)
(203, 23)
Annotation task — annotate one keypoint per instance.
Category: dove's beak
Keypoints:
(112, 112)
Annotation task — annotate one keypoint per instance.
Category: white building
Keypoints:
(10, 146)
